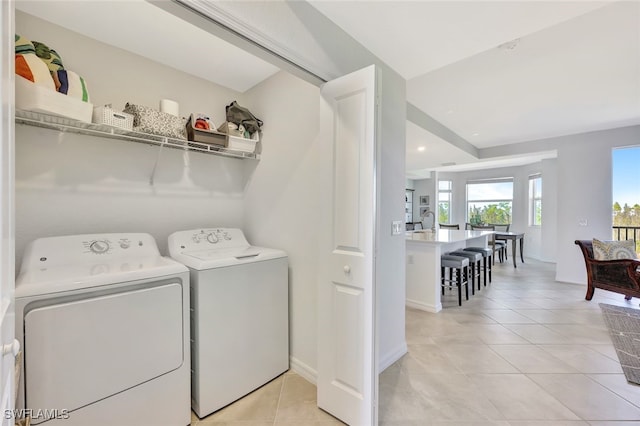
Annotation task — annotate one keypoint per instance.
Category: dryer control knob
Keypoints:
(212, 238)
(99, 247)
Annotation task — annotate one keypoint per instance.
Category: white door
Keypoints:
(7, 276)
(346, 375)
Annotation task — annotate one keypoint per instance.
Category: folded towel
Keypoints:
(24, 45)
(49, 56)
(33, 69)
(71, 84)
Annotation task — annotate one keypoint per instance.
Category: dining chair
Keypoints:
(502, 228)
(498, 246)
(449, 226)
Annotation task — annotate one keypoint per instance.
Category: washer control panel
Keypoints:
(207, 238)
(107, 245)
(211, 236)
(79, 249)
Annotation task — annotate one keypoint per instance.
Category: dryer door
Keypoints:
(78, 352)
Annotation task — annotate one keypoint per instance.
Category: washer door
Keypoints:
(79, 352)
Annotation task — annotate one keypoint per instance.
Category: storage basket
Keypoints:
(37, 98)
(210, 137)
(106, 115)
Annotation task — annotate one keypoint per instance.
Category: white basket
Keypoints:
(37, 98)
(106, 115)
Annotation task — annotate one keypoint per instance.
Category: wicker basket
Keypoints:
(106, 115)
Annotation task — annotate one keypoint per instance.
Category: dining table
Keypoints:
(514, 237)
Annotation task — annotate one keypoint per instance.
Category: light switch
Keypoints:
(396, 227)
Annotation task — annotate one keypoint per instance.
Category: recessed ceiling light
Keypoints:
(421, 148)
(476, 134)
(450, 111)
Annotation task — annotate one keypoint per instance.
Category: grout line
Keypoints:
(284, 380)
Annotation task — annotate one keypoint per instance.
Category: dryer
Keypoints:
(104, 325)
(239, 314)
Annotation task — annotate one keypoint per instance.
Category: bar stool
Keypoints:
(474, 262)
(487, 259)
(458, 270)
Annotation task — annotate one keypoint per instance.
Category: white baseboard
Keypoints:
(386, 360)
(311, 375)
(423, 306)
(299, 367)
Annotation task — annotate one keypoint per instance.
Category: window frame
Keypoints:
(533, 198)
(449, 203)
(510, 180)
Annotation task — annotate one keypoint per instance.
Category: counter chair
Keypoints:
(475, 260)
(487, 258)
(458, 271)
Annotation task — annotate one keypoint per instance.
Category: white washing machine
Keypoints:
(239, 314)
(104, 324)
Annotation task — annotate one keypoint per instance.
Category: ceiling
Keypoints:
(493, 72)
(503, 72)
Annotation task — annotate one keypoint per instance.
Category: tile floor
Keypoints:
(288, 400)
(524, 351)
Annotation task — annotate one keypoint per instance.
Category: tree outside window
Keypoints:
(444, 201)
(626, 194)
(490, 201)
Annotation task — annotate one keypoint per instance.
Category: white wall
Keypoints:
(549, 228)
(534, 242)
(585, 193)
(576, 189)
(425, 187)
(72, 184)
(281, 207)
(390, 249)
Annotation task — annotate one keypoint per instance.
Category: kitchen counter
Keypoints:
(444, 236)
(424, 249)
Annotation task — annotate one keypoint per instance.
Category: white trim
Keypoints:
(391, 357)
(415, 304)
(302, 369)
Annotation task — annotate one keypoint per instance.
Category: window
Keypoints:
(444, 201)
(535, 200)
(490, 201)
(626, 194)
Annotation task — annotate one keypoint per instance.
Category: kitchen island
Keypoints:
(424, 249)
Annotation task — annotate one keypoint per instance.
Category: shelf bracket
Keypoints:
(155, 165)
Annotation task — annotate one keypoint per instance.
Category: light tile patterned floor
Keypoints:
(288, 400)
(525, 351)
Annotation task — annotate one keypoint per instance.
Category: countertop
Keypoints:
(444, 236)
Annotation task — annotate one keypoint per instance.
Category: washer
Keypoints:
(103, 320)
(239, 314)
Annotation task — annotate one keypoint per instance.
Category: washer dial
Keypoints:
(99, 247)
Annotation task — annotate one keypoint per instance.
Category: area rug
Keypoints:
(624, 329)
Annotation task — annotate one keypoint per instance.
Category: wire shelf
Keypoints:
(63, 124)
